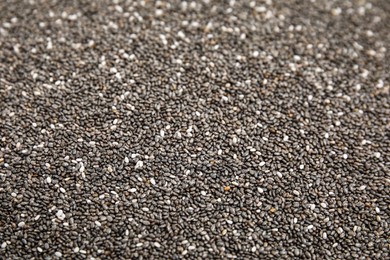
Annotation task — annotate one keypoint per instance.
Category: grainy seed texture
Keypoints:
(194, 129)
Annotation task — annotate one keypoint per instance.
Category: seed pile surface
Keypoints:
(194, 129)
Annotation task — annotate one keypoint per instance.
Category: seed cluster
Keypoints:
(194, 129)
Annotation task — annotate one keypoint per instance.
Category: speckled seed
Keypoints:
(262, 164)
(139, 165)
(21, 224)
